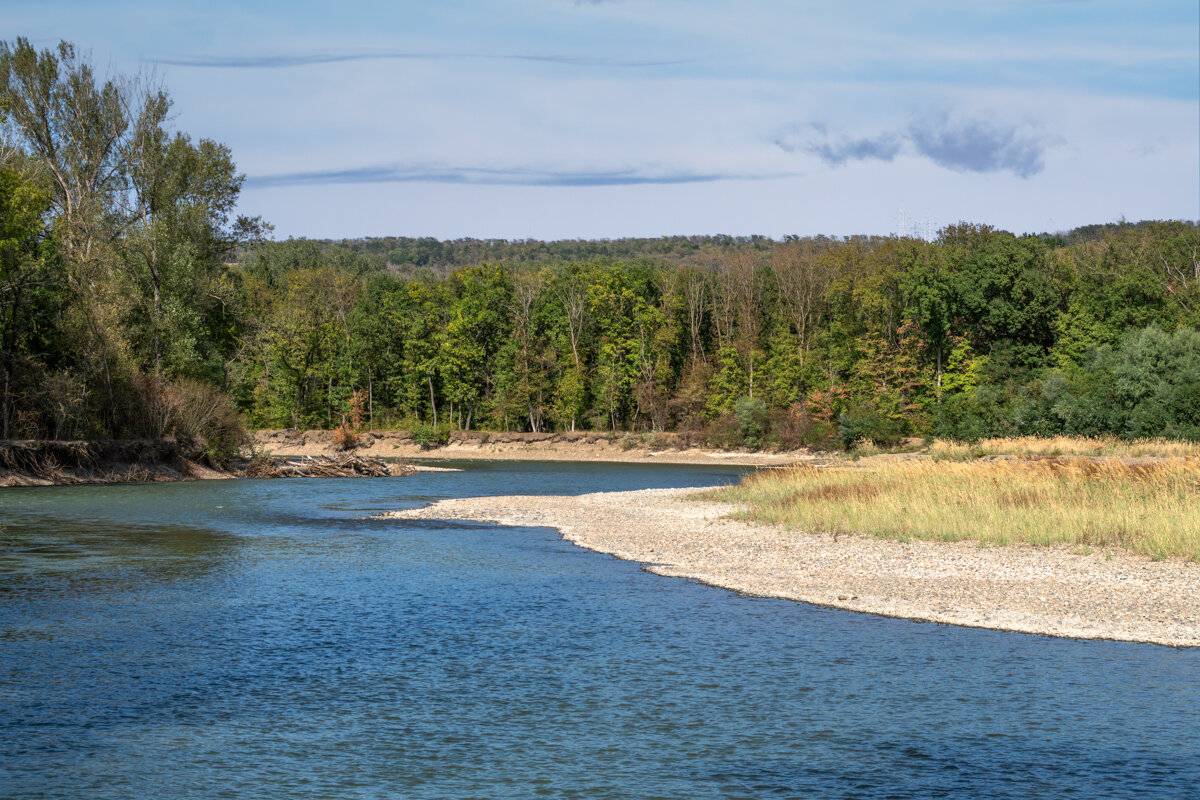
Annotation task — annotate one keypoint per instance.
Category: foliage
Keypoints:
(192, 412)
(344, 437)
(867, 422)
(123, 266)
(752, 420)
(427, 435)
(128, 229)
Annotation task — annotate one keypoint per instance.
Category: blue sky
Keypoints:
(606, 118)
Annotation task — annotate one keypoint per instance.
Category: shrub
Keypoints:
(751, 415)
(865, 422)
(428, 436)
(723, 433)
(344, 437)
(796, 428)
(358, 410)
(193, 412)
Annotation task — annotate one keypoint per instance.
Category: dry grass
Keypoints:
(1150, 508)
(1104, 446)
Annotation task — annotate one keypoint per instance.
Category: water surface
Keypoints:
(267, 638)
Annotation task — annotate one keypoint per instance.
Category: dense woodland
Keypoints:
(133, 302)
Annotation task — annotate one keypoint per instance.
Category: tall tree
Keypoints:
(29, 278)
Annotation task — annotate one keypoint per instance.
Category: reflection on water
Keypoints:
(267, 638)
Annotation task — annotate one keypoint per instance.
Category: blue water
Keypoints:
(265, 639)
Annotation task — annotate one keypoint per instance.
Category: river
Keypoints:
(270, 639)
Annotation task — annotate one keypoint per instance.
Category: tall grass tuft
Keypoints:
(1149, 508)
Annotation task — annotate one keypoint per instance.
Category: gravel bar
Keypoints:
(1049, 591)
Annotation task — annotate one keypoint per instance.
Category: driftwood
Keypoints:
(343, 465)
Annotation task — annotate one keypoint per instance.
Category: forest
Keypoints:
(135, 302)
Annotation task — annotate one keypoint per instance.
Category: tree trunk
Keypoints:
(939, 366)
(432, 402)
(7, 371)
(157, 331)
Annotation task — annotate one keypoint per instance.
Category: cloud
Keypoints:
(492, 177)
(960, 145)
(976, 146)
(305, 59)
(884, 147)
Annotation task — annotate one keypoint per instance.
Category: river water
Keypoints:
(268, 639)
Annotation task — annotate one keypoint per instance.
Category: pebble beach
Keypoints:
(1050, 591)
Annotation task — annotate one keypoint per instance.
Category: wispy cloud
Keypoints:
(970, 145)
(268, 61)
(494, 177)
(837, 151)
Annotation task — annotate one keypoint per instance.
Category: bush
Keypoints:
(795, 429)
(428, 436)
(751, 415)
(723, 433)
(864, 422)
(193, 412)
(344, 437)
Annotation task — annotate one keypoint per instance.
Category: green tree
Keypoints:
(30, 281)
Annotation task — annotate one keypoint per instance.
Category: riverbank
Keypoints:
(1052, 591)
(108, 461)
(60, 463)
(663, 448)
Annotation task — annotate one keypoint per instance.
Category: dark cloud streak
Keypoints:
(884, 148)
(486, 177)
(306, 59)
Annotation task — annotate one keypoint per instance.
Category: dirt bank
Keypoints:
(1033, 590)
(52, 463)
(663, 448)
(58, 463)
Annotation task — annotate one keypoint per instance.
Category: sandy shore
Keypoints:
(1032, 590)
(475, 445)
(612, 455)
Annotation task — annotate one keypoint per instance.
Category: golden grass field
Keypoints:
(1104, 446)
(1145, 506)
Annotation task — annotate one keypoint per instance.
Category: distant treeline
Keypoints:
(412, 256)
(134, 303)
(808, 340)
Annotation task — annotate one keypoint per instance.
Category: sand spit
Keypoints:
(1021, 588)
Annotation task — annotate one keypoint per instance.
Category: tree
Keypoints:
(178, 236)
(929, 302)
(1003, 290)
(29, 277)
(142, 220)
(803, 278)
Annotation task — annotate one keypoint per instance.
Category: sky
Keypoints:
(562, 119)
